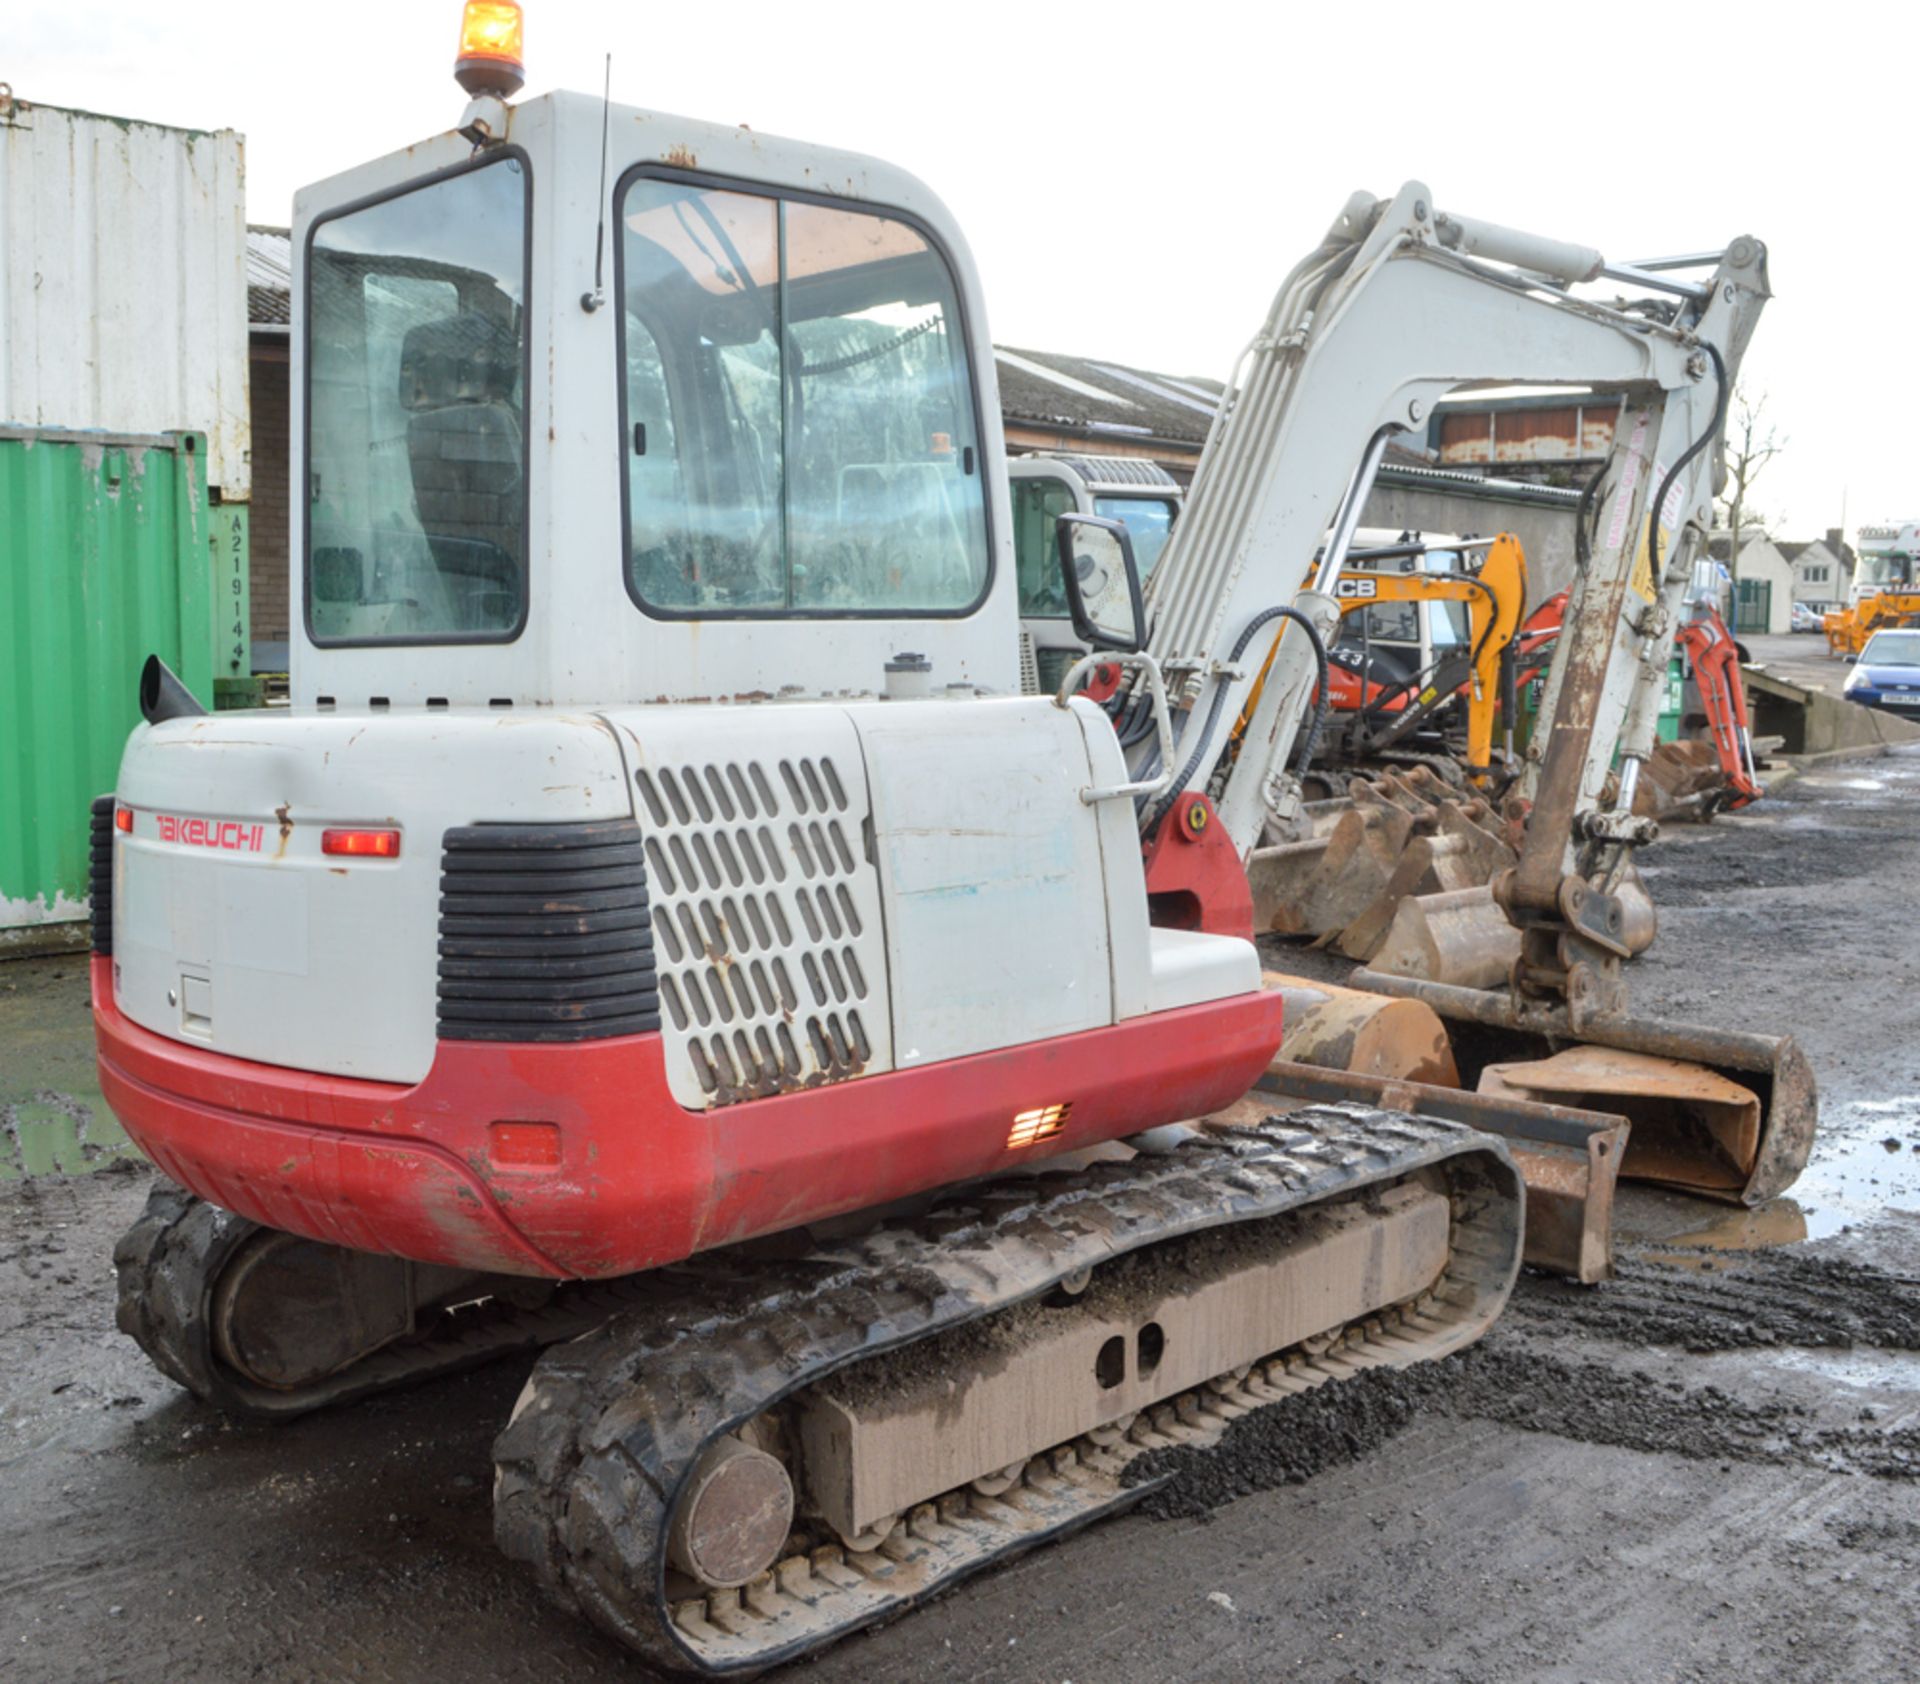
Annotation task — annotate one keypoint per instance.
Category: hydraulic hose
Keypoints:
(1265, 617)
(1583, 517)
(1693, 450)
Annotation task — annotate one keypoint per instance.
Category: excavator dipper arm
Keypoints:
(1397, 307)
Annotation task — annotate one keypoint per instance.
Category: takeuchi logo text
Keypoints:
(230, 834)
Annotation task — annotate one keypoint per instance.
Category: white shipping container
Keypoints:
(123, 283)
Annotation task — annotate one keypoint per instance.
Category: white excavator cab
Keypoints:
(755, 454)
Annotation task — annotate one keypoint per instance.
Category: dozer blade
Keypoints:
(1677, 1094)
(1568, 1158)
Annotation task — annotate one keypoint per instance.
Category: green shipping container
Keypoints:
(105, 559)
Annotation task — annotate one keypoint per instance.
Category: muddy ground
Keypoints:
(1704, 1471)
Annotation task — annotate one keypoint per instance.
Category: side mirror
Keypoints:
(1103, 582)
(1850, 660)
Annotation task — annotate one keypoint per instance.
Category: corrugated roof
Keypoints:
(269, 278)
(1049, 389)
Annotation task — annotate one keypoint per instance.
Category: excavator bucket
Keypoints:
(1699, 1130)
(1368, 1034)
(1346, 1046)
(1678, 779)
(1458, 937)
(1397, 835)
(1461, 936)
(1719, 1113)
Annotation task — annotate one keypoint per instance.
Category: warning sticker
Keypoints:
(1629, 480)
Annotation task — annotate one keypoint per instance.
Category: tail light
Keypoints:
(361, 844)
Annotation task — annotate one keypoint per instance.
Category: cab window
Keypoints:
(801, 434)
(1149, 521)
(1037, 506)
(416, 414)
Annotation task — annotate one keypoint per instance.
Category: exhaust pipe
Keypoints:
(163, 696)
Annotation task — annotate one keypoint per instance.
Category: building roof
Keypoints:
(1106, 399)
(269, 279)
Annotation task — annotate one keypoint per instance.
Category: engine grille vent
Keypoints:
(544, 933)
(765, 921)
(1029, 665)
(100, 873)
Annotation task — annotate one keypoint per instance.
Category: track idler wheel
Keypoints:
(733, 1517)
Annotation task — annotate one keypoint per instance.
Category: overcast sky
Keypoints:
(1134, 180)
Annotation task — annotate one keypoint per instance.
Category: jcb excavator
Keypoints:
(1386, 690)
(659, 924)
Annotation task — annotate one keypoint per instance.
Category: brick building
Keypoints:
(269, 319)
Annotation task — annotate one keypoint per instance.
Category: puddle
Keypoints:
(1866, 1162)
(55, 1134)
(1810, 781)
(1781, 1222)
(1862, 1368)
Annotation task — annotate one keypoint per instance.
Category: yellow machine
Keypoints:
(1397, 671)
(1849, 628)
(1886, 592)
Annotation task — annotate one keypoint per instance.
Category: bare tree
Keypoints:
(1752, 442)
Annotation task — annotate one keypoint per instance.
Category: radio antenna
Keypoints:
(591, 301)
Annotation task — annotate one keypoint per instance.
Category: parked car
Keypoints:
(1886, 674)
(1803, 619)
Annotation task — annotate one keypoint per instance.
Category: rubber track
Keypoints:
(610, 1426)
(167, 1264)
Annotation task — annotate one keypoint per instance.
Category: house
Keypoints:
(1763, 582)
(1822, 570)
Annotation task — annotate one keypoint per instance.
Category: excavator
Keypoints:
(1393, 865)
(1391, 684)
(658, 929)
(1689, 776)
(1045, 485)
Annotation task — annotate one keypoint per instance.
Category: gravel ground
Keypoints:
(1701, 1471)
